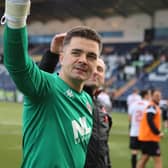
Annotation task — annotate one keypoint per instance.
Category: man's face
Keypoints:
(98, 76)
(79, 59)
(156, 96)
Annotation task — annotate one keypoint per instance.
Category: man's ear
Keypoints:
(61, 57)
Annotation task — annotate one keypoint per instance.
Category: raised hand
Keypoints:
(56, 43)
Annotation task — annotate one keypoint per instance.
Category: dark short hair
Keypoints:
(155, 90)
(143, 93)
(83, 32)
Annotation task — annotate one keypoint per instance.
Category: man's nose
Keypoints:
(95, 74)
(83, 58)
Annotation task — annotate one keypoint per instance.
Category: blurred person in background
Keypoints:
(98, 150)
(133, 97)
(150, 132)
(164, 108)
(134, 116)
(57, 117)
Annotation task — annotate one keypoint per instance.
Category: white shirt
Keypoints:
(132, 98)
(136, 111)
(162, 102)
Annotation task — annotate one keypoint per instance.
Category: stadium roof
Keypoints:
(62, 10)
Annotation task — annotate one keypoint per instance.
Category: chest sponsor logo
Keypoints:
(81, 130)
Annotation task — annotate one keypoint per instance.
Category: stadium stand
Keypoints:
(131, 58)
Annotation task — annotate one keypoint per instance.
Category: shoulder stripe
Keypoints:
(151, 109)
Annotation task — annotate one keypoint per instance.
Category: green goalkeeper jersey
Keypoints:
(57, 120)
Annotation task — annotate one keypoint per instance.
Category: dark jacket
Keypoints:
(98, 150)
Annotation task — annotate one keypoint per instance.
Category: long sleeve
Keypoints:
(151, 123)
(25, 73)
(15, 49)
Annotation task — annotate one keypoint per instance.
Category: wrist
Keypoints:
(54, 51)
(54, 54)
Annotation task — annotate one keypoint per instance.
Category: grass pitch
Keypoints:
(10, 139)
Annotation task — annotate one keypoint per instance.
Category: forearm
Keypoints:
(16, 58)
(152, 126)
(49, 61)
(26, 75)
(129, 122)
(15, 49)
(15, 34)
(22, 69)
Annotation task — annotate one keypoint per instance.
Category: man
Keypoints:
(133, 97)
(135, 114)
(164, 108)
(57, 118)
(150, 132)
(98, 150)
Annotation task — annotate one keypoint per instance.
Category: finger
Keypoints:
(61, 35)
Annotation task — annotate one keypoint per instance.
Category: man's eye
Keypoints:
(92, 56)
(75, 53)
(99, 69)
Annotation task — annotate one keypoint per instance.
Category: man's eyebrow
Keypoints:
(80, 50)
(77, 49)
(92, 53)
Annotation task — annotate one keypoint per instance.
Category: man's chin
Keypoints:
(89, 83)
(80, 78)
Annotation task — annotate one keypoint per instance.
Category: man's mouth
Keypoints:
(81, 69)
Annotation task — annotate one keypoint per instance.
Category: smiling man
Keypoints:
(98, 149)
(83, 54)
(57, 122)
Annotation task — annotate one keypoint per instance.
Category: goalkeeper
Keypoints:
(98, 149)
(57, 116)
